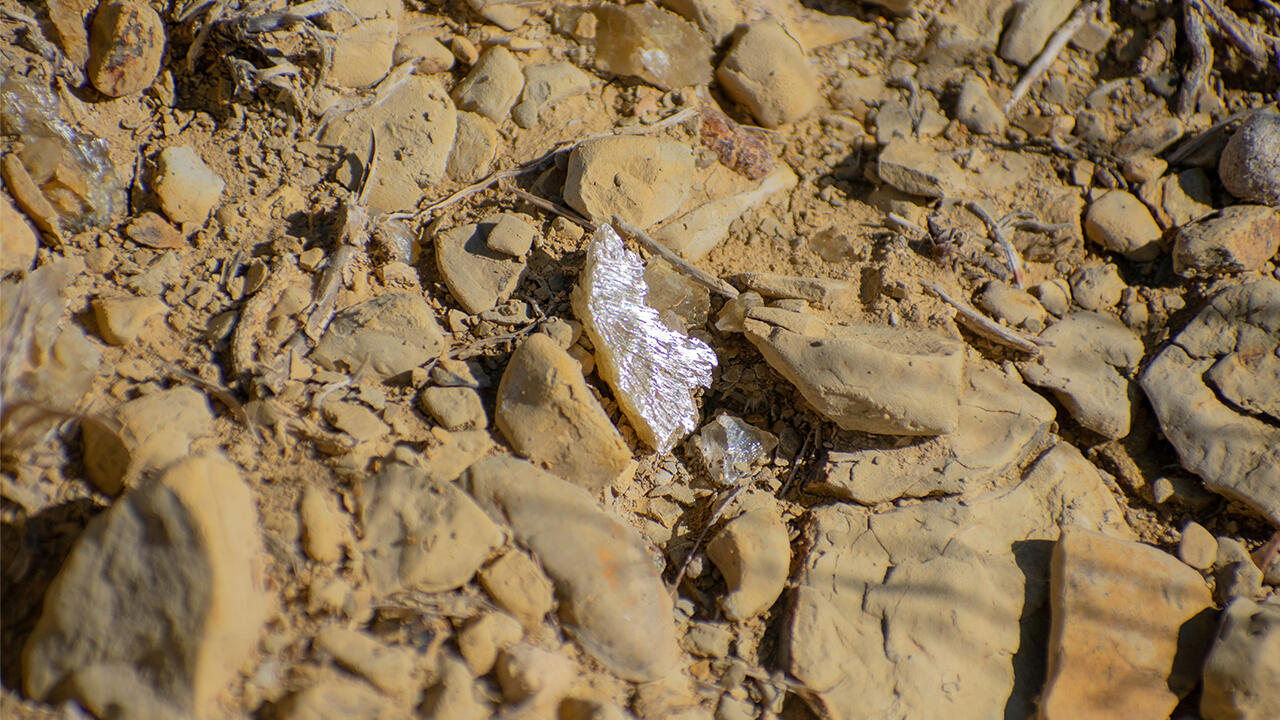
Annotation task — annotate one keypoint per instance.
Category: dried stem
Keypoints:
(1011, 256)
(985, 326)
(1051, 50)
(1193, 81)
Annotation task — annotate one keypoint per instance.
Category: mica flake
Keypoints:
(652, 369)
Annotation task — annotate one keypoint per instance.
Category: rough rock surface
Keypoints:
(160, 596)
(126, 46)
(394, 333)
(976, 109)
(862, 377)
(1130, 628)
(548, 414)
(767, 71)
(1250, 163)
(611, 596)
(421, 533)
(362, 54)
(1119, 222)
(643, 180)
(1033, 22)
(122, 319)
(695, 233)
(188, 189)
(546, 84)
(888, 603)
(1242, 672)
(1206, 384)
(474, 147)
(1087, 368)
(1239, 238)
(478, 277)
(753, 553)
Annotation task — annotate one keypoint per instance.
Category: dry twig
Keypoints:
(1011, 256)
(1051, 50)
(1193, 82)
(985, 326)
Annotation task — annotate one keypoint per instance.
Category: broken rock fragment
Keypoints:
(768, 72)
(1240, 238)
(394, 332)
(188, 189)
(126, 45)
(915, 169)
(546, 84)
(652, 44)
(699, 231)
(147, 433)
(611, 596)
(862, 377)
(492, 86)
(1242, 672)
(753, 553)
(478, 276)
(643, 180)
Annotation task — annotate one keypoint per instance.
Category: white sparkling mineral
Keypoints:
(730, 445)
(652, 369)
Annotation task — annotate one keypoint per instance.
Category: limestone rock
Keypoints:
(1087, 368)
(1197, 548)
(362, 54)
(147, 433)
(478, 277)
(355, 420)
(1240, 238)
(1250, 162)
(456, 408)
(188, 189)
(455, 696)
(474, 148)
(126, 46)
(1016, 307)
(976, 110)
(337, 697)
(1097, 287)
(421, 533)
(121, 319)
(518, 585)
(1185, 197)
(484, 637)
(390, 669)
(862, 377)
(18, 242)
(1130, 628)
(652, 44)
(395, 332)
(820, 291)
(1032, 24)
(639, 178)
(753, 553)
(1219, 364)
(697, 232)
(68, 19)
(915, 169)
(415, 126)
(1242, 672)
(160, 593)
(549, 416)
(717, 18)
(767, 71)
(546, 84)
(511, 235)
(324, 528)
(1119, 222)
(611, 596)
(492, 85)
(422, 47)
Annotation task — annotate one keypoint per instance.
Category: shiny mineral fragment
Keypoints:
(729, 447)
(652, 369)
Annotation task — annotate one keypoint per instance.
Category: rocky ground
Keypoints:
(895, 359)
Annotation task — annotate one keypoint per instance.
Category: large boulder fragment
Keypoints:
(1085, 361)
(1208, 385)
(611, 597)
(394, 332)
(159, 596)
(147, 433)
(1131, 625)
(1242, 672)
(643, 180)
(862, 377)
(548, 414)
(421, 533)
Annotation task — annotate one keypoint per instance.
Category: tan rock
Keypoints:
(518, 585)
(362, 54)
(768, 72)
(481, 639)
(717, 18)
(18, 241)
(915, 169)
(546, 84)
(1119, 222)
(160, 591)
(697, 232)
(652, 44)
(821, 291)
(121, 319)
(753, 553)
(390, 669)
(456, 408)
(492, 86)
(528, 673)
(69, 18)
(422, 47)
(1130, 627)
(394, 333)
(478, 277)
(126, 46)
(474, 148)
(146, 433)
(548, 414)
(337, 697)
(188, 189)
(641, 179)
(324, 527)
(1242, 672)
(1240, 238)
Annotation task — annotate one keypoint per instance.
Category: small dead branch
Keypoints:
(1051, 50)
(701, 277)
(552, 208)
(985, 326)
(1193, 81)
(1236, 32)
(1012, 259)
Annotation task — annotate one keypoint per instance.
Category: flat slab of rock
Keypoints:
(611, 596)
(1131, 625)
(822, 291)
(1001, 424)
(548, 414)
(887, 604)
(478, 276)
(641, 179)
(1204, 385)
(916, 169)
(395, 332)
(1240, 238)
(863, 377)
(421, 533)
(1087, 368)
(159, 597)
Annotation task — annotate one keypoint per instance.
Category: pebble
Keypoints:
(147, 433)
(394, 332)
(18, 242)
(1197, 548)
(159, 602)
(1119, 222)
(708, 639)
(153, 231)
(864, 377)
(512, 235)
(650, 43)
(455, 696)
(122, 319)
(915, 169)
(641, 179)
(1097, 288)
(362, 54)
(1122, 613)
(1054, 296)
(456, 408)
(548, 414)
(1032, 24)
(1150, 138)
(1240, 579)
(546, 84)
(753, 553)
(1087, 367)
(324, 527)
(1242, 671)
(506, 15)
(766, 70)
(1240, 238)
(474, 148)
(618, 608)
(1016, 307)
(423, 48)
(528, 673)
(482, 638)
(336, 697)
(421, 533)
(355, 420)
(1250, 163)
(976, 110)
(477, 277)
(464, 50)
(518, 585)
(492, 86)
(126, 47)
(187, 188)
(390, 669)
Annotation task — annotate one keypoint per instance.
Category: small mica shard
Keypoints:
(652, 369)
(730, 445)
